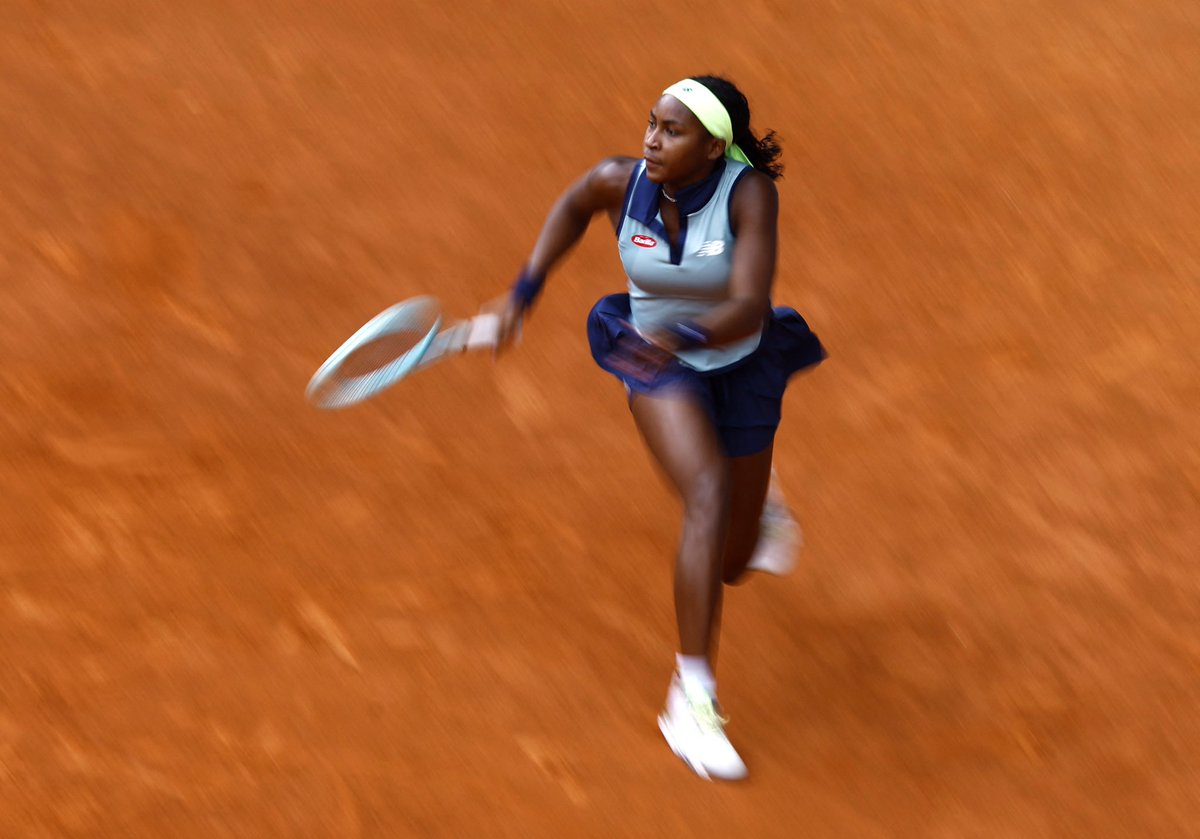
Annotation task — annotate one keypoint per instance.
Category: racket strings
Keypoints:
(368, 359)
(407, 337)
(381, 353)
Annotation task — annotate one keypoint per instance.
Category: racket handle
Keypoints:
(484, 332)
(479, 332)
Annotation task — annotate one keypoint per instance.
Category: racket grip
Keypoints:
(484, 332)
(479, 332)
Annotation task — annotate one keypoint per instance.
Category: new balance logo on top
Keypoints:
(715, 247)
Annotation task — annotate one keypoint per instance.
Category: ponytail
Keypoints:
(763, 153)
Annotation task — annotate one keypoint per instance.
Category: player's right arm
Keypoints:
(600, 190)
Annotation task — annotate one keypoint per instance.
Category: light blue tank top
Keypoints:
(686, 282)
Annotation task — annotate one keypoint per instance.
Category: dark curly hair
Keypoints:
(764, 153)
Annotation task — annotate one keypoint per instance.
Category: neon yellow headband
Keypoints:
(712, 114)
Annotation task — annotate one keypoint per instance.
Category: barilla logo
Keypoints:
(644, 241)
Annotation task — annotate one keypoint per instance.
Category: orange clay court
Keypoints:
(448, 612)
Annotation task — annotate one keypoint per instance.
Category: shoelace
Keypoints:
(774, 521)
(706, 713)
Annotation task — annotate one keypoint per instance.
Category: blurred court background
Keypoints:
(448, 612)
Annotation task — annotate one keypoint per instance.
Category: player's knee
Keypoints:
(707, 494)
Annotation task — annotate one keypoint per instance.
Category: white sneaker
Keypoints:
(779, 541)
(695, 730)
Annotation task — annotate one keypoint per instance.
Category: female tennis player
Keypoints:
(702, 354)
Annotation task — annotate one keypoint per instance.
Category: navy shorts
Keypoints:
(744, 399)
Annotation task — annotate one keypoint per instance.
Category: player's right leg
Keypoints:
(684, 443)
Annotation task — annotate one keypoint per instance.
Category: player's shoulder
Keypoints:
(754, 182)
(613, 172)
(603, 186)
(754, 188)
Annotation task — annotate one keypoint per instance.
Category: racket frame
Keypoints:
(359, 388)
(440, 341)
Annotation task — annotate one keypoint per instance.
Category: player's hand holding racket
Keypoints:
(513, 307)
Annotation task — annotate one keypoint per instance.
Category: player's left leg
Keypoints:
(749, 478)
(780, 537)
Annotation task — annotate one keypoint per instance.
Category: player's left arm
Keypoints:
(754, 217)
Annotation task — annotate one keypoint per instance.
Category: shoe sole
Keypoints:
(664, 725)
(770, 563)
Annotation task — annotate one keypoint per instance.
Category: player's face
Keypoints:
(678, 150)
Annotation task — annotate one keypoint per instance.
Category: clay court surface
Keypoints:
(448, 612)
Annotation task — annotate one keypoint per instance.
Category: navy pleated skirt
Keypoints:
(744, 399)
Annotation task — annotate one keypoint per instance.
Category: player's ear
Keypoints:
(716, 149)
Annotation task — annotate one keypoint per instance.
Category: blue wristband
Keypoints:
(690, 334)
(527, 288)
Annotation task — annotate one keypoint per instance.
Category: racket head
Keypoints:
(383, 351)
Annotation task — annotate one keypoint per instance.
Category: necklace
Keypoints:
(668, 197)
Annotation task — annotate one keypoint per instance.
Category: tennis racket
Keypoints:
(397, 342)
